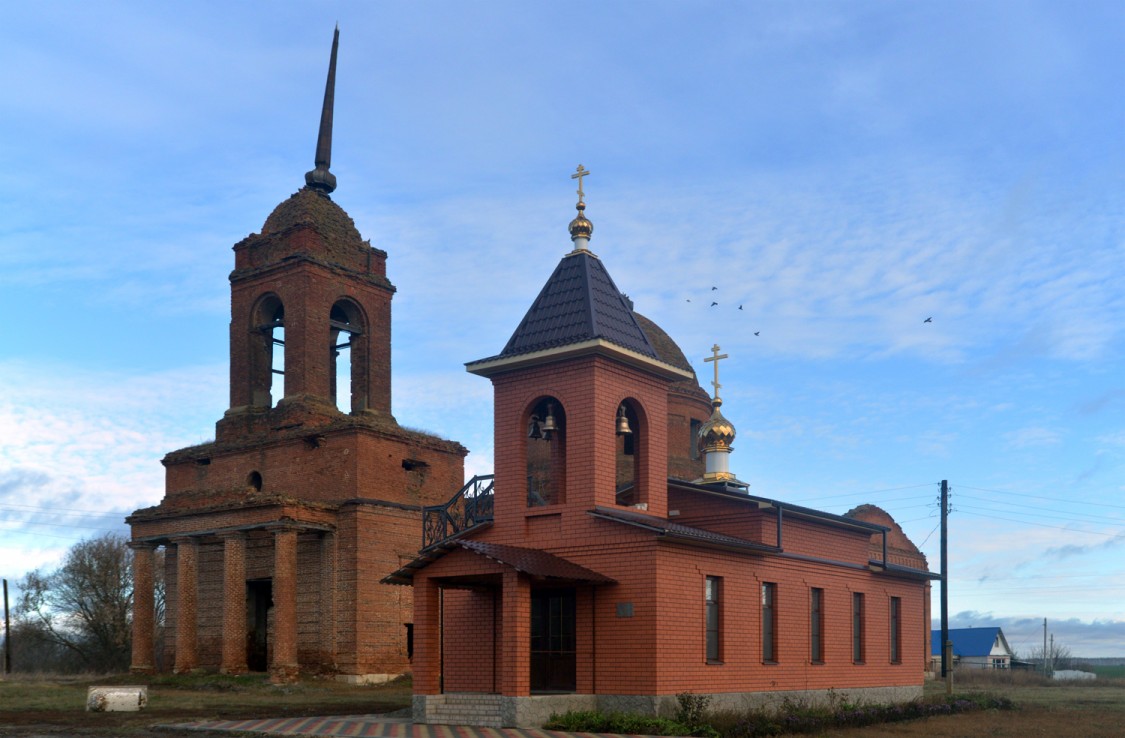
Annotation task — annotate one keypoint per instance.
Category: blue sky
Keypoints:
(841, 170)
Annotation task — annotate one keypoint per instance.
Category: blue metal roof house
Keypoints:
(975, 648)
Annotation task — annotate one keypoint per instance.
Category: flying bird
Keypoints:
(739, 307)
(928, 320)
(756, 332)
(689, 299)
(713, 304)
(714, 288)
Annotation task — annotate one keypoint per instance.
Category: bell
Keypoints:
(533, 427)
(623, 428)
(549, 426)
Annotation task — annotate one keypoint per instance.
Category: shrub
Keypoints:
(692, 712)
(793, 716)
(840, 713)
(592, 721)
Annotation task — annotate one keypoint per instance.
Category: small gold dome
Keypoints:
(717, 432)
(580, 227)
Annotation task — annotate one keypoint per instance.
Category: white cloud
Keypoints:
(79, 450)
(1032, 437)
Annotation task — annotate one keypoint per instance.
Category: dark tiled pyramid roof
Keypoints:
(578, 303)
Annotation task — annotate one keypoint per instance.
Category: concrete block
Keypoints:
(116, 699)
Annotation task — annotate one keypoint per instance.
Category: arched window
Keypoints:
(267, 351)
(629, 436)
(546, 452)
(347, 344)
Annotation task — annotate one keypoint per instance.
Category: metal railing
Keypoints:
(471, 506)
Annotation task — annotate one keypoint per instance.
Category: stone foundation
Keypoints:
(533, 711)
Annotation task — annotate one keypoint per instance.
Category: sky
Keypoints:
(831, 174)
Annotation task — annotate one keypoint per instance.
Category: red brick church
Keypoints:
(605, 577)
(277, 532)
(612, 562)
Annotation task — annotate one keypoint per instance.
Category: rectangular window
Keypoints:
(896, 630)
(816, 626)
(769, 622)
(713, 617)
(857, 627)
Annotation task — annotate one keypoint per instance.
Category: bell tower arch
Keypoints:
(310, 287)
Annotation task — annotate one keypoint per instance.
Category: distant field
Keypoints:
(1109, 672)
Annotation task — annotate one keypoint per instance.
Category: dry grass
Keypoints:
(1044, 708)
(57, 706)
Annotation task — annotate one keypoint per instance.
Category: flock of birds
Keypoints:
(714, 303)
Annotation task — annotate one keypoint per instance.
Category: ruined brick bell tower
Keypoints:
(277, 532)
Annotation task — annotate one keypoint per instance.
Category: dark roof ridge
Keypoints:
(579, 302)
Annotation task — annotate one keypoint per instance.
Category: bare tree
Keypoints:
(85, 606)
(1059, 657)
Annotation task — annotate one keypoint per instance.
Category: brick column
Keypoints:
(187, 579)
(284, 667)
(328, 601)
(144, 608)
(234, 604)
(427, 636)
(515, 655)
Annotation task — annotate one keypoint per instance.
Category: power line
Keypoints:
(54, 525)
(1053, 514)
(1044, 525)
(53, 509)
(1040, 497)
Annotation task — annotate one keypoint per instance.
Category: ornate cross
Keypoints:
(716, 357)
(579, 174)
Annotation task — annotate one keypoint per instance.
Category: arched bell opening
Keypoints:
(348, 352)
(545, 445)
(631, 436)
(267, 351)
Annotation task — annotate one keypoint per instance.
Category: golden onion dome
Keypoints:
(580, 227)
(717, 432)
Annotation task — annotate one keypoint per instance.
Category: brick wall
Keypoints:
(590, 390)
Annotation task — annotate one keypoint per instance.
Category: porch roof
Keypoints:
(529, 561)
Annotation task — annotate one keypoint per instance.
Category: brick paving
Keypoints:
(372, 726)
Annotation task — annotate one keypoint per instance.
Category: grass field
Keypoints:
(56, 707)
(1109, 672)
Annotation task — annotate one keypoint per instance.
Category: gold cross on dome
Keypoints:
(716, 357)
(579, 174)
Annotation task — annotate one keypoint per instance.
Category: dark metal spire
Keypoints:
(320, 178)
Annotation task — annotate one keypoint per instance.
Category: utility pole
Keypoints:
(7, 633)
(1044, 646)
(946, 646)
(1052, 653)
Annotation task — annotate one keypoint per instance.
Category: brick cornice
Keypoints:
(270, 270)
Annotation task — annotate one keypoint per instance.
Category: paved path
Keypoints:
(376, 726)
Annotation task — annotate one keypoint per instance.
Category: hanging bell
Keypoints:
(533, 430)
(549, 425)
(623, 428)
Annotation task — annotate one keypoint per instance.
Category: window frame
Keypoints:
(896, 630)
(816, 625)
(713, 620)
(769, 623)
(859, 626)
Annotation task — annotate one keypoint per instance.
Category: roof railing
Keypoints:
(470, 507)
